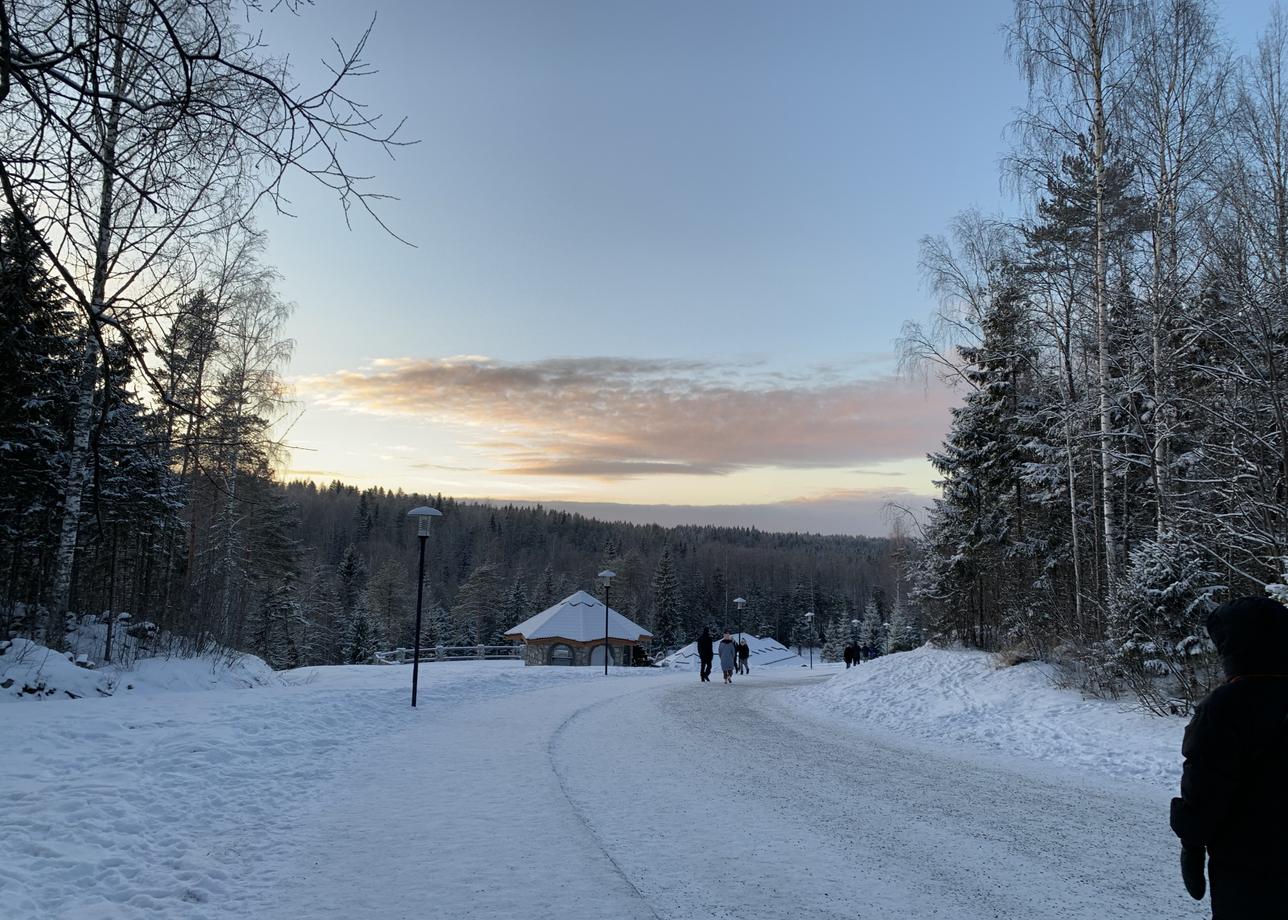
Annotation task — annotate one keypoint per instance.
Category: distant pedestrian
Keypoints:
(728, 657)
(1233, 808)
(848, 655)
(744, 652)
(705, 655)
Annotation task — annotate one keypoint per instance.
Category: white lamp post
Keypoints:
(809, 623)
(423, 515)
(606, 578)
(740, 602)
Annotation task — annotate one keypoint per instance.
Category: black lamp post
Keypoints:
(606, 578)
(423, 515)
(809, 621)
(854, 638)
(740, 602)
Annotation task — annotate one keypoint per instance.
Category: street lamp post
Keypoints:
(740, 602)
(809, 622)
(606, 579)
(423, 515)
(854, 638)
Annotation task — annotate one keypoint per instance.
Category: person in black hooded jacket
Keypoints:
(1233, 807)
(706, 654)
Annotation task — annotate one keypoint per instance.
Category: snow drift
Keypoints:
(29, 671)
(964, 697)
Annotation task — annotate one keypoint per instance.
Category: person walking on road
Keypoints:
(1233, 809)
(705, 655)
(744, 652)
(728, 657)
(849, 655)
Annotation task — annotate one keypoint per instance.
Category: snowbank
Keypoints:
(764, 652)
(29, 671)
(963, 697)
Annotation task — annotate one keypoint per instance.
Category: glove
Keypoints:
(1192, 860)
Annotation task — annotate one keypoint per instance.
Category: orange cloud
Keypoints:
(615, 418)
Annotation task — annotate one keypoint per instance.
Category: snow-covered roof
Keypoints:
(579, 618)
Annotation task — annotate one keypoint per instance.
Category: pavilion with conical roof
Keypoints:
(572, 633)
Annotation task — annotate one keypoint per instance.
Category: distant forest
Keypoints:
(490, 566)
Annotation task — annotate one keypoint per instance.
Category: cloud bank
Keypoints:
(856, 512)
(618, 418)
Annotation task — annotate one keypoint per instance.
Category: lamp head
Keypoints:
(606, 576)
(739, 602)
(423, 515)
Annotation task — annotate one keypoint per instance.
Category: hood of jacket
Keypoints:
(1251, 635)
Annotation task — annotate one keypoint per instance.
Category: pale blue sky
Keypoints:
(722, 180)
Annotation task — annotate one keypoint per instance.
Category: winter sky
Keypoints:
(662, 250)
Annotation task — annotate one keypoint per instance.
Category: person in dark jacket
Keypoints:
(744, 652)
(1233, 807)
(728, 657)
(849, 655)
(706, 654)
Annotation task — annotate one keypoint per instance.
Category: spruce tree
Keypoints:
(667, 626)
(38, 352)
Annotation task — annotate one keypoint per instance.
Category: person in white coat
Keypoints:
(728, 657)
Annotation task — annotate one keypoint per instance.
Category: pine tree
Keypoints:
(903, 634)
(979, 522)
(836, 637)
(352, 573)
(516, 608)
(391, 602)
(476, 613)
(38, 352)
(667, 628)
(546, 595)
(361, 636)
(872, 628)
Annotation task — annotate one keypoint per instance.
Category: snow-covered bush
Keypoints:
(1158, 644)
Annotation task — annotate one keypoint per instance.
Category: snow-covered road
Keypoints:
(756, 813)
(659, 797)
(547, 793)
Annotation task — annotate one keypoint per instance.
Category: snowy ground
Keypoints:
(541, 792)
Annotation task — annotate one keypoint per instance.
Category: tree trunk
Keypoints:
(78, 458)
(1099, 131)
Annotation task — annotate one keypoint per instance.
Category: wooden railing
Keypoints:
(451, 653)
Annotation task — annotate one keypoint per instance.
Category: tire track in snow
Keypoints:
(577, 810)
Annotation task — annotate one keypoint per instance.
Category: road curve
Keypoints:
(722, 804)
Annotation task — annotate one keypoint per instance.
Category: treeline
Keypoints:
(1120, 461)
(179, 519)
(490, 567)
(140, 332)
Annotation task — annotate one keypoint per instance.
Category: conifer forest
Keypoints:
(1118, 462)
